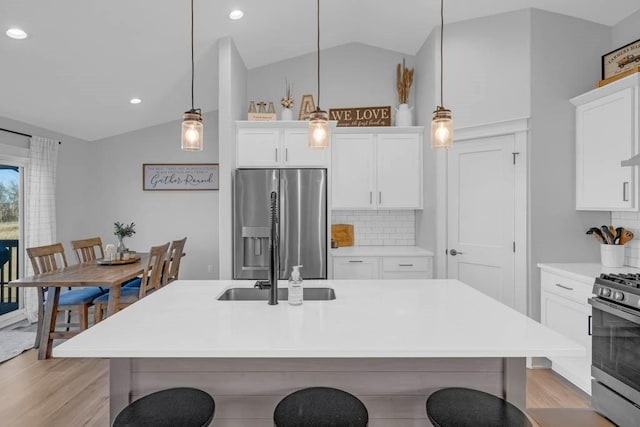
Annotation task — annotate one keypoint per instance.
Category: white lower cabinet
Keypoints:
(383, 267)
(564, 308)
(356, 268)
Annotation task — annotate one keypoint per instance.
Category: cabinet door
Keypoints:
(399, 166)
(297, 152)
(353, 171)
(606, 135)
(572, 320)
(355, 268)
(258, 147)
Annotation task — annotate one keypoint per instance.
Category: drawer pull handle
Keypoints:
(405, 265)
(589, 327)
(355, 260)
(564, 287)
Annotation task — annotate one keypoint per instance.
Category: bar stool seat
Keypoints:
(320, 407)
(184, 407)
(463, 407)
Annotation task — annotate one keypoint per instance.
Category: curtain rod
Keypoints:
(21, 134)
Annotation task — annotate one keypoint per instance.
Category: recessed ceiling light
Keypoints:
(236, 14)
(16, 33)
(135, 101)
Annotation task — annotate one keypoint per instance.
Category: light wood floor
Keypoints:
(74, 392)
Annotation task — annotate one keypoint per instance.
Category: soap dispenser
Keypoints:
(295, 286)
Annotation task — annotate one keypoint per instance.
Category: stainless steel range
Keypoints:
(615, 327)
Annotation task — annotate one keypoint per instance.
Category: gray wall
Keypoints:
(427, 90)
(115, 194)
(74, 179)
(565, 62)
(351, 75)
(487, 70)
(625, 31)
(232, 93)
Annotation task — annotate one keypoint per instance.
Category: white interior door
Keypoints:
(481, 232)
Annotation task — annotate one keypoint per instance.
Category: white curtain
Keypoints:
(40, 207)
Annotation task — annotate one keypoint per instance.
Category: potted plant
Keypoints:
(121, 231)
(287, 102)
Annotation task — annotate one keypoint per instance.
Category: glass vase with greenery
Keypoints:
(121, 231)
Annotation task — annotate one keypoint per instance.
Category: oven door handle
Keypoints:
(616, 310)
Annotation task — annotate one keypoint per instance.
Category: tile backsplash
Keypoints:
(380, 228)
(630, 221)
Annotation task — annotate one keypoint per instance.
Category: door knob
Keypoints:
(453, 252)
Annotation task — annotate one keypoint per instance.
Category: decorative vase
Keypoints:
(286, 114)
(120, 249)
(404, 116)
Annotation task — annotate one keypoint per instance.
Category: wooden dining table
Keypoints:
(90, 273)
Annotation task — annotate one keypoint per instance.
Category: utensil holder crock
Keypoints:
(612, 255)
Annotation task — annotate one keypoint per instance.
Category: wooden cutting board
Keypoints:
(343, 234)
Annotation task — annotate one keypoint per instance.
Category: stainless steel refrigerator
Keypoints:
(302, 202)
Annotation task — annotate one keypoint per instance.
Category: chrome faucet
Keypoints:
(274, 256)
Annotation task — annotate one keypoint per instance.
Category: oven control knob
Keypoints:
(618, 296)
(605, 292)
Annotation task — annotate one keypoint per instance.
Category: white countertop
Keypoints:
(369, 319)
(583, 271)
(380, 251)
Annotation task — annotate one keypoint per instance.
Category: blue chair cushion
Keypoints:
(127, 296)
(133, 283)
(79, 296)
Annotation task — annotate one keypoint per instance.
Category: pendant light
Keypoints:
(442, 123)
(319, 119)
(192, 129)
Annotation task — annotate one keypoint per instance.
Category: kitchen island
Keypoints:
(391, 343)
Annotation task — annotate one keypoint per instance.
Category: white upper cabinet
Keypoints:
(353, 173)
(607, 133)
(276, 145)
(377, 170)
(399, 166)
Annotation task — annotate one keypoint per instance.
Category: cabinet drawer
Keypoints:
(358, 268)
(406, 264)
(574, 290)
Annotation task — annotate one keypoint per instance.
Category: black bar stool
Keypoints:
(184, 407)
(320, 407)
(463, 407)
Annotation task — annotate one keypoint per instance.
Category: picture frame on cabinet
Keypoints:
(307, 106)
(620, 60)
(180, 176)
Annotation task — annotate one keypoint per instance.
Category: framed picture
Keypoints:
(307, 106)
(621, 60)
(180, 176)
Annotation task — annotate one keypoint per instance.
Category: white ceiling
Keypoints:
(84, 59)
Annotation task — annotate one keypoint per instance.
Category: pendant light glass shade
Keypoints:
(319, 129)
(192, 131)
(441, 129)
(192, 128)
(441, 123)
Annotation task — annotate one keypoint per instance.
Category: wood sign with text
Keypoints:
(180, 176)
(361, 116)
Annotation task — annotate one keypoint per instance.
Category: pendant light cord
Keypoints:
(192, 62)
(318, 51)
(441, 55)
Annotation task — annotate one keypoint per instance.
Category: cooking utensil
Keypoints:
(626, 237)
(618, 235)
(608, 236)
(597, 234)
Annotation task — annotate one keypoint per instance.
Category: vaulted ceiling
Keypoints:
(84, 59)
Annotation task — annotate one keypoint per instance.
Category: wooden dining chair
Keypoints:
(151, 281)
(173, 261)
(85, 249)
(50, 258)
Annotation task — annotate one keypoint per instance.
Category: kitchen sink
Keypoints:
(255, 294)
